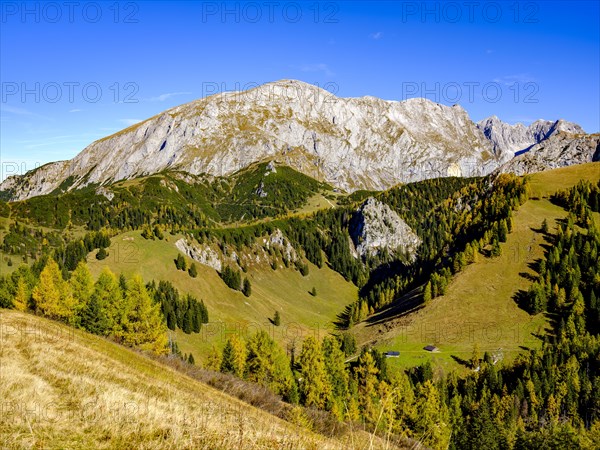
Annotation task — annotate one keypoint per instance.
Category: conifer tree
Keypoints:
(193, 270)
(143, 325)
(82, 286)
(267, 364)
(427, 293)
(104, 312)
(102, 254)
(337, 374)
(314, 387)
(213, 359)
(432, 421)
(52, 296)
(234, 356)
(21, 296)
(366, 374)
(545, 226)
(247, 289)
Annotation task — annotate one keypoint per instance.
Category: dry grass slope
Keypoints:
(63, 388)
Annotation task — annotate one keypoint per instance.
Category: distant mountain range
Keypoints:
(351, 143)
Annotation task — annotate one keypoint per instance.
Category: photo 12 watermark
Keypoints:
(221, 331)
(472, 91)
(68, 91)
(526, 12)
(13, 332)
(270, 12)
(69, 12)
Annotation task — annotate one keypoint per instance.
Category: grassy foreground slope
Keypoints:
(63, 388)
(479, 308)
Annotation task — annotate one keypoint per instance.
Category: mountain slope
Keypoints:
(349, 142)
(63, 388)
(480, 304)
(513, 139)
(559, 150)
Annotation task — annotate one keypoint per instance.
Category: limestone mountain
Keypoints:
(517, 138)
(559, 150)
(350, 143)
(377, 228)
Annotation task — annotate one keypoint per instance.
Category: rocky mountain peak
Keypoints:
(350, 143)
(518, 138)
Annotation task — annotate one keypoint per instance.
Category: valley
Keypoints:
(340, 310)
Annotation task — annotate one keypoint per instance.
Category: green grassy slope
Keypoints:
(284, 289)
(479, 306)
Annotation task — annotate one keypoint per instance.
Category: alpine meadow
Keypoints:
(300, 225)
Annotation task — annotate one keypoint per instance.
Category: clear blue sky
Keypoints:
(73, 74)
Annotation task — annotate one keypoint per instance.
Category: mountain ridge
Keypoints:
(350, 143)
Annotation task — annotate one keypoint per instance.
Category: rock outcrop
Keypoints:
(560, 150)
(376, 227)
(205, 255)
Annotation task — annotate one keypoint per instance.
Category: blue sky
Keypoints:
(72, 74)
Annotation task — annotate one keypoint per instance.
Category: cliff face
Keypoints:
(512, 139)
(560, 150)
(352, 143)
(377, 228)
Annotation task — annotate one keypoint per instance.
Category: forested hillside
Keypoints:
(545, 397)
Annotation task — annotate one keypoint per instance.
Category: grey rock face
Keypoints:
(352, 143)
(560, 150)
(508, 140)
(376, 227)
(204, 255)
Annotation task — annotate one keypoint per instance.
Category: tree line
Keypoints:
(125, 310)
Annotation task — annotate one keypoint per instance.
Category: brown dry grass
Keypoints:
(63, 388)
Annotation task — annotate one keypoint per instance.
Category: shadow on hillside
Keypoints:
(381, 273)
(528, 276)
(461, 361)
(521, 299)
(410, 302)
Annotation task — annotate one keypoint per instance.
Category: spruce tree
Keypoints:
(102, 254)
(427, 293)
(104, 312)
(234, 357)
(247, 289)
(545, 226)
